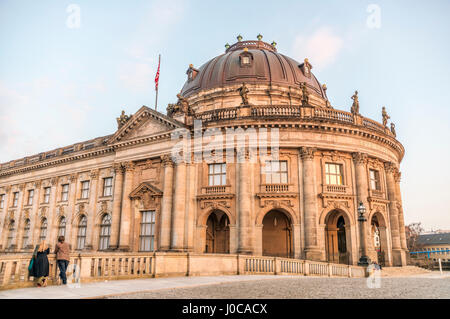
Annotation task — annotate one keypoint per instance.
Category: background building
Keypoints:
(126, 192)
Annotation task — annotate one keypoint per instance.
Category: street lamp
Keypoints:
(363, 260)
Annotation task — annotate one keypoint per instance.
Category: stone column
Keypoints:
(179, 208)
(125, 216)
(362, 193)
(70, 214)
(34, 212)
(296, 231)
(244, 203)
(312, 250)
(166, 207)
(393, 214)
(92, 210)
(20, 218)
(51, 240)
(117, 204)
(401, 218)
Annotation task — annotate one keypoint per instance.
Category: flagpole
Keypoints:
(157, 85)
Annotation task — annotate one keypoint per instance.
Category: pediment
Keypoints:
(146, 188)
(145, 122)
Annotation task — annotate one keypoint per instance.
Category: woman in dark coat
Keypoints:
(40, 267)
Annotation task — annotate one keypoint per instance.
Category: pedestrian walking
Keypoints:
(40, 268)
(62, 251)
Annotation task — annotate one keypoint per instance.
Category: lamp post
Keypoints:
(363, 260)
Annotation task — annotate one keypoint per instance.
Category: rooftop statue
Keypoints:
(182, 105)
(243, 91)
(355, 106)
(122, 119)
(305, 94)
(385, 116)
(393, 130)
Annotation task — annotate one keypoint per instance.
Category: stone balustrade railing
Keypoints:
(270, 111)
(277, 265)
(307, 112)
(275, 188)
(112, 266)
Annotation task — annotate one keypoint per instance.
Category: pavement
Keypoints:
(119, 287)
(425, 285)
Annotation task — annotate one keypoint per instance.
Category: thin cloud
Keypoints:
(321, 48)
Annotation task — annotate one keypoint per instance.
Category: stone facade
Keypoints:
(157, 203)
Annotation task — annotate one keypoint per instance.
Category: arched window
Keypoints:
(105, 232)
(43, 232)
(62, 227)
(10, 234)
(26, 234)
(81, 237)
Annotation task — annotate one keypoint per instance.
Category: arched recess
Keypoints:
(203, 217)
(277, 234)
(282, 208)
(338, 239)
(378, 238)
(217, 233)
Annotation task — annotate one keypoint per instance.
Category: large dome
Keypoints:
(252, 62)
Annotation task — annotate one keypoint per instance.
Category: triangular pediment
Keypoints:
(145, 122)
(146, 188)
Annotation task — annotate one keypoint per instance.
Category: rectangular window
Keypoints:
(65, 192)
(15, 199)
(85, 189)
(147, 235)
(217, 174)
(46, 195)
(30, 197)
(374, 180)
(333, 174)
(2, 201)
(276, 172)
(107, 186)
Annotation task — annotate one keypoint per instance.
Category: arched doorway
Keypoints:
(217, 233)
(277, 235)
(337, 245)
(378, 238)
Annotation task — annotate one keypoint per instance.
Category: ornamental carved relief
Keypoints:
(94, 174)
(43, 212)
(129, 166)
(276, 203)
(26, 214)
(167, 160)
(390, 167)
(360, 158)
(61, 211)
(54, 181)
(81, 208)
(215, 204)
(104, 207)
(73, 178)
(307, 153)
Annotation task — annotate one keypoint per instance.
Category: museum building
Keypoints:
(331, 193)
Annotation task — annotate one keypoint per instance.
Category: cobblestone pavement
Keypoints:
(310, 287)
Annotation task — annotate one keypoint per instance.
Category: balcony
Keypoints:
(342, 189)
(274, 188)
(215, 189)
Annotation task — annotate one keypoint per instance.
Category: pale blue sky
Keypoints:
(61, 85)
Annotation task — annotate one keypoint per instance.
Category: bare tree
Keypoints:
(413, 231)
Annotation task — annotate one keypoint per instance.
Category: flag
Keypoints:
(157, 75)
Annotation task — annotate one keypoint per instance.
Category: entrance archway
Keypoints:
(337, 244)
(217, 233)
(378, 238)
(277, 235)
